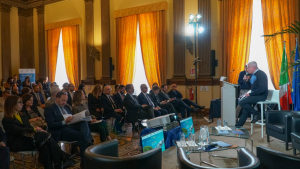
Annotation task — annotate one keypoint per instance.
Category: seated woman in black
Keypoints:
(32, 112)
(27, 82)
(79, 105)
(21, 136)
(94, 102)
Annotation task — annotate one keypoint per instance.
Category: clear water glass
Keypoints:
(219, 123)
(182, 140)
(225, 124)
(193, 143)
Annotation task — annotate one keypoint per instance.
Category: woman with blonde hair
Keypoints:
(23, 137)
(80, 105)
(94, 102)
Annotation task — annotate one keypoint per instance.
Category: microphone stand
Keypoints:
(196, 76)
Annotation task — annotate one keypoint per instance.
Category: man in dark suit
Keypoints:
(162, 103)
(46, 84)
(174, 93)
(134, 109)
(144, 98)
(119, 96)
(57, 122)
(66, 90)
(179, 105)
(18, 82)
(38, 99)
(111, 109)
(4, 151)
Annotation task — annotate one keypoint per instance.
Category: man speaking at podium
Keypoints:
(259, 92)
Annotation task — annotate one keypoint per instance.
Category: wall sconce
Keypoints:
(94, 53)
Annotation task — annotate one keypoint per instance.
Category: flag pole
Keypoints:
(287, 97)
(293, 79)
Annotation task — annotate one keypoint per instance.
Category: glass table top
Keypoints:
(214, 132)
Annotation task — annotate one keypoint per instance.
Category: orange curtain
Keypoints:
(70, 44)
(126, 29)
(53, 39)
(152, 36)
(236, 26)
(276, 15)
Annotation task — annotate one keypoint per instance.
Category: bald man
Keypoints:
(259, 92)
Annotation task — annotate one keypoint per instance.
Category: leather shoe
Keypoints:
(255, 118)
(201, 107)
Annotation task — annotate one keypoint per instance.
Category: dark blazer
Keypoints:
(93, 104)
(35, 101)
(54, 119)
(25, 85)
(143, 100)
(132, 107)
(3, 137)
(155, 99)
(163, 96)
(172, 94)
(107, 106)
(119, 100)
(34, 108)
(46, 86)
(15, 129)
(70, 100)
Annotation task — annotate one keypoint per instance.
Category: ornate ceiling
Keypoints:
(27, 3)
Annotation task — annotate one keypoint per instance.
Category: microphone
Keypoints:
(229, 73)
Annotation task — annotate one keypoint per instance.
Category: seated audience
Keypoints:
(27, 82)
(5, 94)
(144, 98)
(7, 85)
(17, 81)
(45, 94)
(105, 84)
(94, 102)
(174, 93)
(179, 105)
(82, 87)
(79, 105)
(25, 90)
(38, 99)
(116, 88)
(134, 109)
(119, 96)
(53, 91)
(4, 151)
(161, 103)
(111, 109)
(34, 116)
(154, 84)
(15, 91)
(59, 128)
(21, 136)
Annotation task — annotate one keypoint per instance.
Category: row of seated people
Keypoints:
(14, 81)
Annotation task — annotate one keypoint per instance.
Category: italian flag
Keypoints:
(285, 92)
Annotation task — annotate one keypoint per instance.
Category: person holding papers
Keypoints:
(259, 92)
(58, 116)
(95, 125)
(111, 108)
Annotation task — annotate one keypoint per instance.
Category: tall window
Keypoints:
(139, 69)
(61, 73)
(257, 45)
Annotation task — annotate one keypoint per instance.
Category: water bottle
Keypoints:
(219, 124)
(182, 140)
(204, 135)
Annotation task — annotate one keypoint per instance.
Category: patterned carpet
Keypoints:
(128, 146)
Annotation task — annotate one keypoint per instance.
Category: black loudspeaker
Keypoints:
(111, 67)
(213, 62)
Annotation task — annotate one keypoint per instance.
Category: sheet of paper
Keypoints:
(66, 116)
(223, 128)
(223, 78)
(78, 117)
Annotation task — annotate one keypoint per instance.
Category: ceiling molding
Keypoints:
(27, 3)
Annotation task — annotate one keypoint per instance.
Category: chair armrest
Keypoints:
(108, 148)
(295, 124)
(288, 122)
(247, 159)
(276, 116)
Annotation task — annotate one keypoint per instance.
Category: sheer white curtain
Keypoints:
(257, 45)
(139, 70)
(61, 74)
